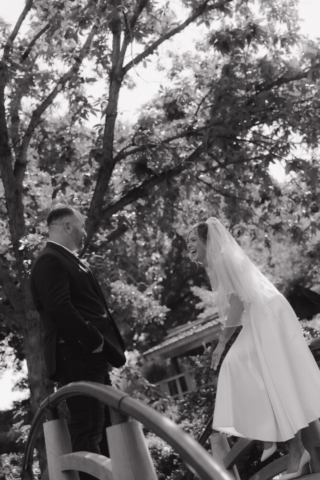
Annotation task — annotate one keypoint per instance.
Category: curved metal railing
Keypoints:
(190, 451)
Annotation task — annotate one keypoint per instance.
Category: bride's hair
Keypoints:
(230, 270)
(201, 229)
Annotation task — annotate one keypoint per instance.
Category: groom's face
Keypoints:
(77, 230)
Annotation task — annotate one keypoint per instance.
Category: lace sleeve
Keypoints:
(236, 309)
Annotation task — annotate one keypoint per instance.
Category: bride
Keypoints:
(269, 384)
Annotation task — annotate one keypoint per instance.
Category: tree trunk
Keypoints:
(39, 385)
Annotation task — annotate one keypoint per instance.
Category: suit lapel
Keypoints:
(73, 258)
(70, 256)
(96, 286)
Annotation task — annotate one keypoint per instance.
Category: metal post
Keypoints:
(220, 448)
(129, 453)
(58, 443)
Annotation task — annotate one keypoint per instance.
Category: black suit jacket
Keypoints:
(70, 303)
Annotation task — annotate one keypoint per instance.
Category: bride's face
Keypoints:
(196, 248)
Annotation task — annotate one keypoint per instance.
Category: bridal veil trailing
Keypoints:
(231, 271)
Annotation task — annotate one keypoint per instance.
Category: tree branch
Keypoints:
(21, 161)
(223, 193)
(15, 120)
(149, 50)
(115, 26)
(136, 14)
(110, 238)
(13, 192)
(107, 151)
(130, 26)
(16, 29)
(141, 148)
(143, 189)
(26, 53)
(116, 233)
(280, 81)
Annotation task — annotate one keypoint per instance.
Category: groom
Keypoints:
(81, 339)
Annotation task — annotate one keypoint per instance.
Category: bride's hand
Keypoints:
(216, 355)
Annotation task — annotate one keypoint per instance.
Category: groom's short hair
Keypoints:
(58, 212)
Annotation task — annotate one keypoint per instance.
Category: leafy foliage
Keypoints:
(167, 462)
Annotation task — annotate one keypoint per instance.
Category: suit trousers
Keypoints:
(88, 417)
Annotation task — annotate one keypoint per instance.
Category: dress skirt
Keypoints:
(269, 383)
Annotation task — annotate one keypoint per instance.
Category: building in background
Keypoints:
(165, 362)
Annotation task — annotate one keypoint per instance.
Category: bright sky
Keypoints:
(310, 14)
(8, 395)
(147, 86)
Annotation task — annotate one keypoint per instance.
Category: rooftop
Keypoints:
(185, 338)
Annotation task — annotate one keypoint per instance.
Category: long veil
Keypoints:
(231, 272)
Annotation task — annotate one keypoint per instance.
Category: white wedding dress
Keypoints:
(269, 382)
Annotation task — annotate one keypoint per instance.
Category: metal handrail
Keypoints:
(189, 450)
(174, 377)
